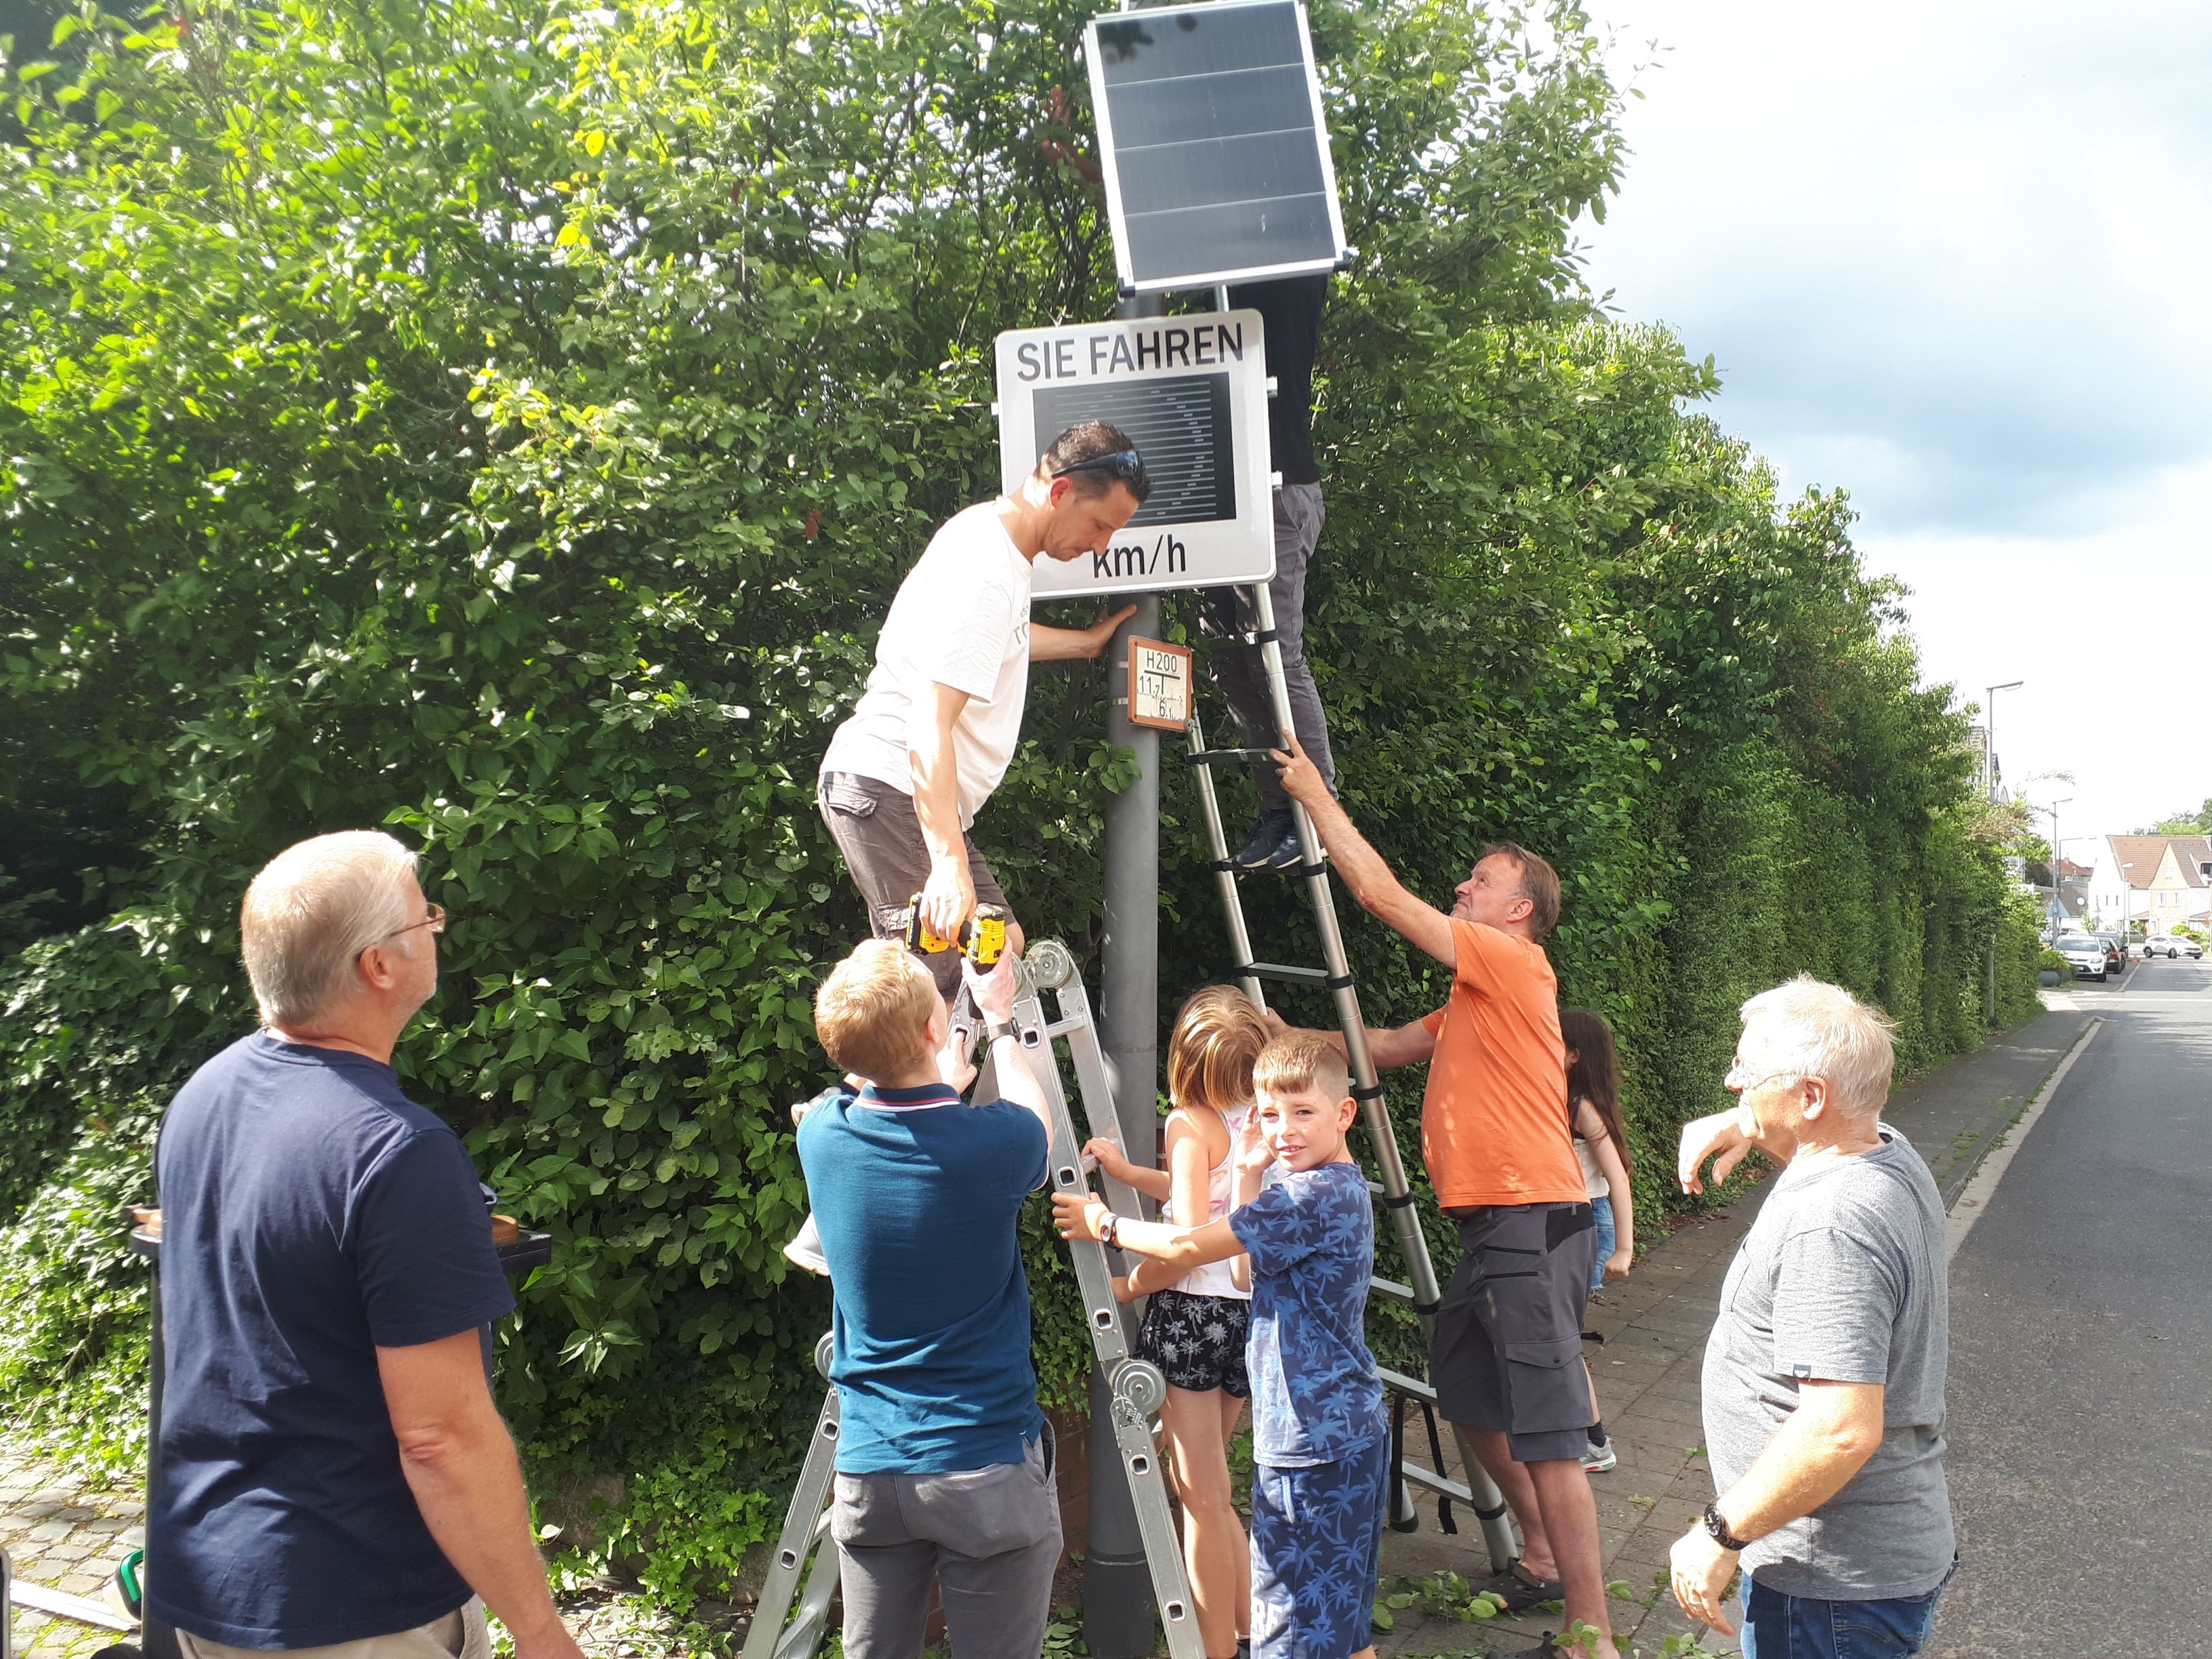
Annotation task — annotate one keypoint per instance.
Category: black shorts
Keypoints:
(1198, 1341)
(1507, 1353)
(875, 827)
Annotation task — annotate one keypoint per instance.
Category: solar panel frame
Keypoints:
(1109, 156)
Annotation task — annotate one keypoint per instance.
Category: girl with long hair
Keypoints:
(1602, 1144)
(1195, 1326)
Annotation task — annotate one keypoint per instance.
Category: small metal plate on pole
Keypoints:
(1160, 684)
(1192, 394)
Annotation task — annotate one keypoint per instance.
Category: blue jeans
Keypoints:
(1778, 1627)
(1602, 1209)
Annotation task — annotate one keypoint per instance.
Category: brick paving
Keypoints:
(67, 1534)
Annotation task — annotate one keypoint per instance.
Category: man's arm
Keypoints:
(948, 898)
(1836, 1427)
(1065, 644)
(1703, 1137)
(1404, 1045)
(1379, 892)
(1017, 1084)
(460, 1462)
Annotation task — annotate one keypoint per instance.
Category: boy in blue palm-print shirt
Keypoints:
(1320, 1438)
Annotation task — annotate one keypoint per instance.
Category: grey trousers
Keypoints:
(990, 1537)
(1238, 672)
(461, 1634)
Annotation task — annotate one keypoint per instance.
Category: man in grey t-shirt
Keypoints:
(1824, 1375)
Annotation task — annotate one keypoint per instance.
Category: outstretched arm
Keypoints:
(1081, 1215)
(1379, 892)
(1066, 644)
(1402, 1045)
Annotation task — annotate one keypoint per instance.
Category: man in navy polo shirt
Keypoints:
(943, 1461)
(331, 1469)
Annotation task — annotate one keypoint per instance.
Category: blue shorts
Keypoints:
(1778, 1627)
(1317, 1555)
(1601, 1209)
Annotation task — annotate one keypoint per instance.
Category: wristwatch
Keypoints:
(1716, 1528)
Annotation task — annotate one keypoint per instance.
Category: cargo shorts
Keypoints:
(1508, 1348)
(875, 827)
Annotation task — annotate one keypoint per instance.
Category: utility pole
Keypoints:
(1118, 1620)
(1990, 729)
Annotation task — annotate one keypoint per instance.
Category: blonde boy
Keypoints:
(943, 1461)
(1320, 1440)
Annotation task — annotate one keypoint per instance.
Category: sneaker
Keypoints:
(1600, 1458)
(1264, 845)
(805, 1250)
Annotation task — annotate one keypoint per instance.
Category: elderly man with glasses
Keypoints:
(331, 1470)
(938, 722)
(1824, 1376)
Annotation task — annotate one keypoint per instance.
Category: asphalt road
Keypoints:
(2080, 1385)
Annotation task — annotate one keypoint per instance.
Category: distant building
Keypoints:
(2155, 883)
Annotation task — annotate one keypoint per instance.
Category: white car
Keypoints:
(2086, 954)
(2173, 945)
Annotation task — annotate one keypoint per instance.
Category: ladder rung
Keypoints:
(1391, 1287)
(1288, 974)
(1416, 1474)
(1412, 1387)
(1210, 756)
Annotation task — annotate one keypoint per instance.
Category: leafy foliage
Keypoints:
(508, 420)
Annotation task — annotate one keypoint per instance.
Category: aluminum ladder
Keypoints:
(1479, 1494)
(1136, 1388)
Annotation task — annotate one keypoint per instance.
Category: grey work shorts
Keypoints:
(1508, 1348)
(875, 827)
(989, 1537)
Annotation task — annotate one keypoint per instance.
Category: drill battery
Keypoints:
(982, 940)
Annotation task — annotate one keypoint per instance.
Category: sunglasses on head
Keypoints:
(1122, 463)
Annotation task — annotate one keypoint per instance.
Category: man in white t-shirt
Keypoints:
(933, 732)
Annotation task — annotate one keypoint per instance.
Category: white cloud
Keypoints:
(1957, 259)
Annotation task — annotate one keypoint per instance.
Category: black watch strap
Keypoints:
(1717, 1528)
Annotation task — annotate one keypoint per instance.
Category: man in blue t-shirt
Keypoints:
(1321, 1439)
(331, 1469)
(943, 1461)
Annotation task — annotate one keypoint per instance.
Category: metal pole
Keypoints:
(1118, 1620)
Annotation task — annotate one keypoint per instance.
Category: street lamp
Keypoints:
(2057, 912)
(1990, 732)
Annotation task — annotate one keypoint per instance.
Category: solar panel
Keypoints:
(1215, 148)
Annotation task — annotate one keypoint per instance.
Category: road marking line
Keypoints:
(1976, 1199)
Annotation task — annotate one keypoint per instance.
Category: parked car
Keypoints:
(2116, 950)
(2087, 955)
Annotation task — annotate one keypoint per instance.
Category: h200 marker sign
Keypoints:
(1192, 394)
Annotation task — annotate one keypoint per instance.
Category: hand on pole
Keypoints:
(1100, 634)
(1300, 778)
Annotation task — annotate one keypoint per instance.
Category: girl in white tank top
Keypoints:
(1194, 1327)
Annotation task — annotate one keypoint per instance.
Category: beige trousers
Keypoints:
(461, 1634)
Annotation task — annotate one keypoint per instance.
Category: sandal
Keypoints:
(1521, 1589)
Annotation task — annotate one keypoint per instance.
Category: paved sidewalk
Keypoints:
(1655, 1324)
(59, 1533)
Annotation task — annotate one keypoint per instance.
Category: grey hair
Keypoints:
(1808, 1029)
(313, 909)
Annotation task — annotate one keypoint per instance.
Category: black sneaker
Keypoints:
(1273, 844)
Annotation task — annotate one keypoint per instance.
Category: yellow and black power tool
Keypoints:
(982, 940)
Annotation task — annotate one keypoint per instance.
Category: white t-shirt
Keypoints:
(961, 619)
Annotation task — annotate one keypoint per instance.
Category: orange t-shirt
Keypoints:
(1494, 1127)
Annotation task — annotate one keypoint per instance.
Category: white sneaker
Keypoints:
(806, 1247)
(1597, 1460)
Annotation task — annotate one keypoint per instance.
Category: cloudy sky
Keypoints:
(1958, 258)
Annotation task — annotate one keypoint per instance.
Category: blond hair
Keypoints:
(1217, 1035)
(872, 1013)
(1302, 1059)
(1807, 1028)
(313, 910)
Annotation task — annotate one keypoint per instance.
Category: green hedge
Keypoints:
(507, 421)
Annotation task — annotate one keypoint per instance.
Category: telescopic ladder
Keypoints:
(1136, 1389)
(1397, 1193)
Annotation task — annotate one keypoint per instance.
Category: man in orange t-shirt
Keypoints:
(1506, 1355)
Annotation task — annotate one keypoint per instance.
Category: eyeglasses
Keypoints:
(1126, 465)
(435, 922)
(1739, 1079)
